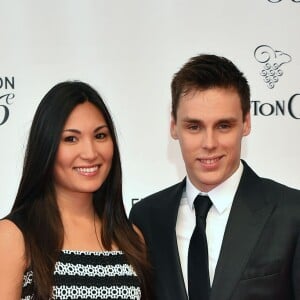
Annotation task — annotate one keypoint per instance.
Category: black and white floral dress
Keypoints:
(90, 275)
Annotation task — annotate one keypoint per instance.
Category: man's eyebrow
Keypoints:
(227, 120)
(199, 121)
(191, 120)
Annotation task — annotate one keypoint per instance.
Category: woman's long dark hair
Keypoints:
(36, 198)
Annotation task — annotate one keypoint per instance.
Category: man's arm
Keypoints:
(296, 270)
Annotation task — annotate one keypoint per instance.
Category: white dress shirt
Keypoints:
(222, 198)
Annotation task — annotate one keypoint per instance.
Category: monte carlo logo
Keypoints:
(7, 94)
(272, 63)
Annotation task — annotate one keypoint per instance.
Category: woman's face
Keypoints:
(85, 152)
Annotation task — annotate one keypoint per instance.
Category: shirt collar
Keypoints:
(222, 195)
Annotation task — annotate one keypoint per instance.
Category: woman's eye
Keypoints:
(70, 139)
(100, 136)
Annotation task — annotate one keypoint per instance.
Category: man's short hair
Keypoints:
(207, 71)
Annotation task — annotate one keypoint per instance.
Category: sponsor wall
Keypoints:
(129, 50)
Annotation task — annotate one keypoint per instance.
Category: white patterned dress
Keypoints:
(90, 275)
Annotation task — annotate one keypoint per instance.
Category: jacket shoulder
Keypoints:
(163, 193)
(281, 191)
(158, 200)
(268, 187)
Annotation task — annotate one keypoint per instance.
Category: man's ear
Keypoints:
(247, 124)
(173, 129)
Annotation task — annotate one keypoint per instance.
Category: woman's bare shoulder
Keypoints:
(12, 260)
(12, 245)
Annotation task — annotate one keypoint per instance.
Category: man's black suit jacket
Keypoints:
(260, 253)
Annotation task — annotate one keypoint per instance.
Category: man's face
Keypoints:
(210, 128)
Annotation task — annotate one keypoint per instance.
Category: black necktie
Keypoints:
(198, 275)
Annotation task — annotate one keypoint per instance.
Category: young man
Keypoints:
(251, 244)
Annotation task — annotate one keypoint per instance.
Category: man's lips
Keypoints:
(209, 161)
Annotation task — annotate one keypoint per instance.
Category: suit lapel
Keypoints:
(173, 278)
(249, 213)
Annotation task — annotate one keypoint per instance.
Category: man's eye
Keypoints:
(224, 126)
(193, 127)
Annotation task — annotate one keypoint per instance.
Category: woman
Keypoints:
(67, 236)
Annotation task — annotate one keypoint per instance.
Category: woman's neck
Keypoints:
(75, 205)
